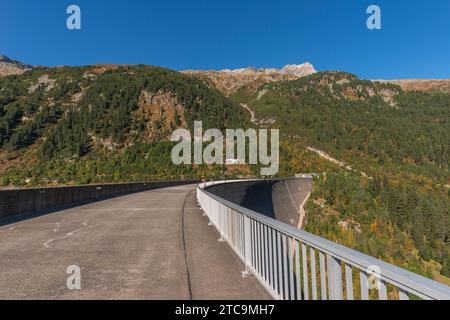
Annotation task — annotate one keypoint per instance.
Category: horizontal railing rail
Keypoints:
(293, 264)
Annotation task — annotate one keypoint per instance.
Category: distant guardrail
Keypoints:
(294, 265)
(18, 201)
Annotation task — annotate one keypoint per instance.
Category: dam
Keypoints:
(184, 240)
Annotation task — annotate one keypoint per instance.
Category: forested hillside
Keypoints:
(104, 123)
(393, 199)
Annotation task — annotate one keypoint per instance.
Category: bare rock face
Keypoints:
(161, 112)
(11, 67)
(300, 70)
(423, 85)
(229, 81)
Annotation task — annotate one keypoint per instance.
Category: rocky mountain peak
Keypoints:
(229, 81)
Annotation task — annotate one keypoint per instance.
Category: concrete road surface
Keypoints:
(149, 245)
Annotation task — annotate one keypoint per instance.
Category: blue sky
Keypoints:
(414, 41)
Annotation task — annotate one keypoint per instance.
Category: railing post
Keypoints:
(335, 278)
(221, 222)
(323, 276)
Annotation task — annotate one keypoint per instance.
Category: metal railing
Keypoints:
(293, 264)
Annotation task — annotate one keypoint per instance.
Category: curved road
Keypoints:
(150, 245)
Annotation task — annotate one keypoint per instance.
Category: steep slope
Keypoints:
(66, 117)
(394, 203)
(229, 81)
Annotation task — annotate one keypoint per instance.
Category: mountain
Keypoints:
(229, 81)
(12, 67)
(385, 158)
